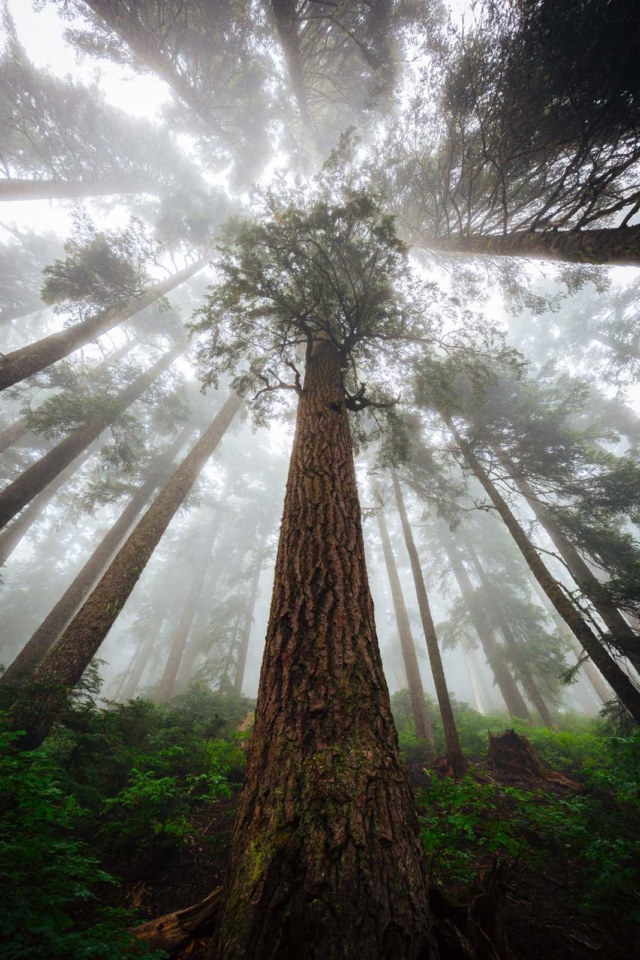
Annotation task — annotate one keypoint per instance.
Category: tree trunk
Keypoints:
(23, 363)
(510, 694)
(473, 671)
(455, 755)
(621, 683)
(29, 484)
(326, 860)
(68, 189)
(623, 635)
(141, 656)
(52, 626)
(65, 663)
(410, 659)
(243, 648)
(614, 245)
(517, 658)
(285, 13)
(11, 537)
(164, 690)
(19, 429)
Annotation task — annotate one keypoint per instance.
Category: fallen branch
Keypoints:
(173, 930)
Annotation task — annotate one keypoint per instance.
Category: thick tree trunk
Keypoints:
(614, 245)
(11, 537)
(621, 683)
(455, 755)
(164, 691)
(410, 659)
(54, 623)
(326, 860)
(623, 635)
(29, 484)
(243, 647)
(23, 363)
(511, 695)
(65, 663)
(517, 657)
(68, 189)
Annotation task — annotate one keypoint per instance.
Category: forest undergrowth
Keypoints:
(124, 814)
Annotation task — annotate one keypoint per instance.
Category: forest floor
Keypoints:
(545, 899)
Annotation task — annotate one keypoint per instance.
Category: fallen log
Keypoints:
(173, 930)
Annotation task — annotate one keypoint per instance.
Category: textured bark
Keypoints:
(23, 363)
(325, 860)
(174, 930)
(517, 657)
(407, 645)
(510, 694)
(30, 483)
(65, 663)
(11, 537)
(622, 685)
(243, 647)
(624, 635)
(615, 245)
(164, 690)
(54, 623)
(68, 189)
(455, 755)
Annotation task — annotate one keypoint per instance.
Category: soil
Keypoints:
(542, 917)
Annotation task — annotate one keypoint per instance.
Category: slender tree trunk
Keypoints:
(474, 672)
(243, 647)
(596, 592)
(19, 429)
(68, 189)
(164, 690)
(142, 655)
(614, 245)
(25, 310)
(29, 484)
(410, 659)
(455, 755)
(65, 663)
(511, 695)
(54, 623)
(285, 13)
(23, 363)
(326, 860)
(517, 657)
(621, 683)
(11, 537)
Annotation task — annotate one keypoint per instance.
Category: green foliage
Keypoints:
(49, 879)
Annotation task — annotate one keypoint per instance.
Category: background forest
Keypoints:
(305, 304)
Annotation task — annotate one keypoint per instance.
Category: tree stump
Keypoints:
(512, 753)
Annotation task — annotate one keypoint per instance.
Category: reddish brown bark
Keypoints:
(65, 663)
(511, 695)
(30, 483)
(421, 719)
(54, 623)
(164, 690)
(326, 860)
(620, 682)
(455, 755)
(23, 363)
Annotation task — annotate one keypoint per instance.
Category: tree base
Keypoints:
(512, 753)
